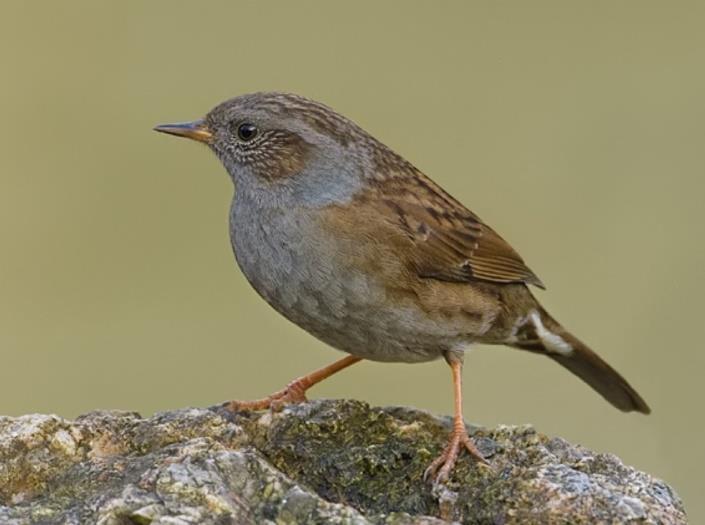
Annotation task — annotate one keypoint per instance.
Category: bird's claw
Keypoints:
(439, 470)
(294, 393)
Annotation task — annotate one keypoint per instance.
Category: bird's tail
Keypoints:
(541, 333)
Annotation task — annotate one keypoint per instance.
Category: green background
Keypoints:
(576, 130)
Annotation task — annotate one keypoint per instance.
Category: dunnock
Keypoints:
(350, 241)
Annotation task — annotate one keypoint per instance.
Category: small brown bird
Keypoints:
(350, 241)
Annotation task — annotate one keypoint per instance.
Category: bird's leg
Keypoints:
(441, 467)
(295, 392)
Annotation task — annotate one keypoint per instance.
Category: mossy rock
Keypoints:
(329, 461)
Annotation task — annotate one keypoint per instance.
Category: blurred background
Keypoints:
(576, 131)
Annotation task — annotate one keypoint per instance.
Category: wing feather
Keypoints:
(449, 241)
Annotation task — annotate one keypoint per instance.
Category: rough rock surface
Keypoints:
(321, 462)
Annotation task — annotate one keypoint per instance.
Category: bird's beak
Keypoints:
(196, 130)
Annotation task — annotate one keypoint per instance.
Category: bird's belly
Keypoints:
(297, 272)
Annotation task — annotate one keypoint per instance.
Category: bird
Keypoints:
(350, 241)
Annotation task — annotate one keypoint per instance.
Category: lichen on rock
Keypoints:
(328, 461)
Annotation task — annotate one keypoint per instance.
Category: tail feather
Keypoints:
(550, 338)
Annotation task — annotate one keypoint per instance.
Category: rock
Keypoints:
(320, 462)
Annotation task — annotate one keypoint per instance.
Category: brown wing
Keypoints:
(451, 243)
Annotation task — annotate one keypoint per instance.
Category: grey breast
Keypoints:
(289, 261)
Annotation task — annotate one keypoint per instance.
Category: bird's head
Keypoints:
(273, 137)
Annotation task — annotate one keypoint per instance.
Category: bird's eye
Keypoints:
(246, 131)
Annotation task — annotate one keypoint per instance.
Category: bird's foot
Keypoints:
(295, 392)
(441, 467)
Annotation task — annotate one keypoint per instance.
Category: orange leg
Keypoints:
(441, 467)
(295, 392)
